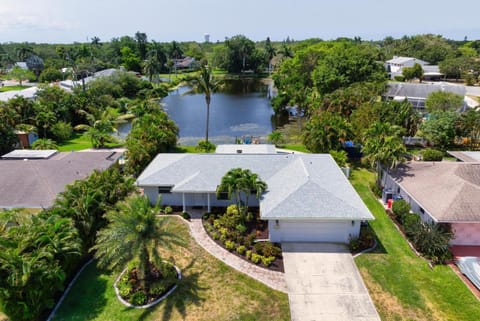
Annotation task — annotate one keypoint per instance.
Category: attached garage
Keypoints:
(313, 231)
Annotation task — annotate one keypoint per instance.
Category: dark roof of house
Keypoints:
(400, 89)
(34, 183)
(449, 191)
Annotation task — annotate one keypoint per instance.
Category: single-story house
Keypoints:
(441, 192)
(309, 199)
(33, 178)
(27, 93)
(417, 94)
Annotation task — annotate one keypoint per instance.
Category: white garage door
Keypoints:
(315, 231)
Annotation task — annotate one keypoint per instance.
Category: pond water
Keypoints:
(242, 110)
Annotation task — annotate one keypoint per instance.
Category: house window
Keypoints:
(222, 196)
(164, 189)
(398, 190)
(422, 210)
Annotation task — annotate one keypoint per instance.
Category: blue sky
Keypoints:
(66, 21)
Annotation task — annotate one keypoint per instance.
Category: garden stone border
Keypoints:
(151, 304)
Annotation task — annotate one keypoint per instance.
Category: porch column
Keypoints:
(183, 202)
(208, 203)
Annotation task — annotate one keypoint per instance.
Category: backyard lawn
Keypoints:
(80, 141)
(209, 290)
(401, 284)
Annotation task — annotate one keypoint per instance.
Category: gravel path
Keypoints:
(273, 279)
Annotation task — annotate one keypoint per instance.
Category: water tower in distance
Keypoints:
(206, 36)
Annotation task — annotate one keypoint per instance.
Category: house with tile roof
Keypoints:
(308, 199)
(441, 192)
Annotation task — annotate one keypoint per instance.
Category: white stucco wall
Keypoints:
(313, 231)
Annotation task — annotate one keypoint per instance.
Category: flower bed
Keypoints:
(240, 234)
(161, 282)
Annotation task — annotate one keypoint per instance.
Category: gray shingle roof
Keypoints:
(299, 186)
(34, 183)
(449, 191)
(466, 156)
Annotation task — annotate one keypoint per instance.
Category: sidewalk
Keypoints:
(273, 279)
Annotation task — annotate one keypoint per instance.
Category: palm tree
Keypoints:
(271, 52)
(240, 181)
(151, 67)
(206, 84)
(135, 232)
(100, 128)
(24, 51)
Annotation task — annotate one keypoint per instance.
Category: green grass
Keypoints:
(209, 290)
(77, 142)
(296, 147)
(10, 88)
(80, 141)
(401, 284)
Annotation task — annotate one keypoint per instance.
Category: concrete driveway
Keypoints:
(324, 284)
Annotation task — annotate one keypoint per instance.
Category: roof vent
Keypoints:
(239, 151)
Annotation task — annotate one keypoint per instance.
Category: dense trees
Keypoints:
(443, 101)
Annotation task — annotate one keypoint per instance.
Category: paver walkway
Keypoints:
(275, 280)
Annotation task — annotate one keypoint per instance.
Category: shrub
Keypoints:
(124, 288)
(138, 298)
(267, 249)
(354, 244)
(432, 240)
(241, 249)
(267, 260)
(158, 289)
(186, 216)
(62, 131)
(255, 258)
(410, 221)
(399, 78)
(241, 228)
(229, 245)
(205, 146)
(215, 236)
(248, 254)
(249, 239)
(400, 208)
(376, 189)
(249, 217)
(223, 237)
(168, 210)
(340, 157)
(432, 155)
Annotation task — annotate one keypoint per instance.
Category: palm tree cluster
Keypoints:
(240, 184)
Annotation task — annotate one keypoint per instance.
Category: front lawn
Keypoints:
(401, 284)
(209, 290)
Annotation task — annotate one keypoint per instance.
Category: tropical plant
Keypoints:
(276, 137)
(134, 232)
(240, 184)
(430, 154)
(468, 125)
(205, 146)
(340, 157)
(443, 101)
(100, 129)
(44, 143)
(325, 131)
(34, 256)
(432, 240)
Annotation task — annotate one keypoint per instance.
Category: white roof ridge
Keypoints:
(185, 181)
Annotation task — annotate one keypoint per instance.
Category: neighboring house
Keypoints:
(309, 199)
(28, 93)
(395, 67)
(417, 94)
(21, 64)
(441, 192)
(33, 178)
(185, 62)
(70, 84)
(468, 156)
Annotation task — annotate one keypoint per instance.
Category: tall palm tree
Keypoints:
(135, 232)
(205, 83)
(24, 51)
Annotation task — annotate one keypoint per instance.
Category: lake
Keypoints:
(241, 110)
